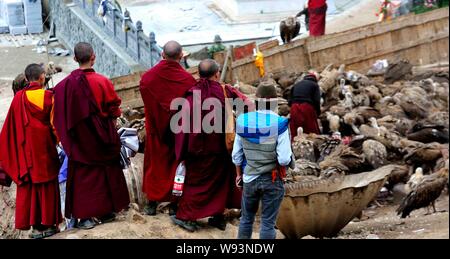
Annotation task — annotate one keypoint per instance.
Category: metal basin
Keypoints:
(323, 208)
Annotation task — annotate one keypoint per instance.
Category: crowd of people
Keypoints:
(79, 115)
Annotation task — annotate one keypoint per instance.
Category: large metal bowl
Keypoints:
(323, 208)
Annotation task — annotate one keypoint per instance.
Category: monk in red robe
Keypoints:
(209, 187)
(85, 111)
(28, 156)
(317, 17)
(159, 86)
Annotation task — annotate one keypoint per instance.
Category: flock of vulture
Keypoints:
(398, 120)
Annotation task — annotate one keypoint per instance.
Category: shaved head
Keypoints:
(208, 68)
(34, 72)
(83, 52)
(173, 51)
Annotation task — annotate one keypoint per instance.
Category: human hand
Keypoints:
(239, 182)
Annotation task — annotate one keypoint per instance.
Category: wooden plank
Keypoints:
(396, 48)
(268, 45)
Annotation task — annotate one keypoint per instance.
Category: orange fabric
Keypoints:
(279, 171)
(36, 97)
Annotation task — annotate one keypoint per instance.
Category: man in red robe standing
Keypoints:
(159, 87)
(209, 187)
(28, 156)
(317, 17)
(85, 111)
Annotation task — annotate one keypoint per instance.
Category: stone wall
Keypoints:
(73, 25)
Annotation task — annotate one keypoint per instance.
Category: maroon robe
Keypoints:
(28, 156)
(159, 86)
(84, 120)
(303, 115)
(317, 17)
(210, 174)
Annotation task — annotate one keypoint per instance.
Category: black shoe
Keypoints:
(108, 218)
(150, 208)
(73, 223)
(173, 209)
(86, 224)
(218, 222)
(188, 225)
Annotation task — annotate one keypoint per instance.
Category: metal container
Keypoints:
(323, 208)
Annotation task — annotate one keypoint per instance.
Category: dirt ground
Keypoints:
(383, 223)
(378, 223)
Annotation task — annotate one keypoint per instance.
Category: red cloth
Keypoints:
(316, 3)
(104, 94)
(159, 86)
(38, 204)
(85, 109)
(87, 135)
(317, 17)
(28, 155)
(209, 187)
(303, 115)
(27, 144)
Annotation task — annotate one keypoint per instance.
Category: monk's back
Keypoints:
(159, 87)
(104, 94)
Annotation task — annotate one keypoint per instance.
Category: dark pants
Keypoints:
(270, 195)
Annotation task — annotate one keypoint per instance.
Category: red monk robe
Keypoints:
(317, 12)
(28, 155)
(159, 86)
(210, 174)
(86, 107)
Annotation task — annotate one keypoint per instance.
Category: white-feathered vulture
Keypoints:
(424, 194)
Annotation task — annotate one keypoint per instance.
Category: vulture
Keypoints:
(429, 133)
(305, 168)
(375, 153)
(398, 175)
(335, 122)
(303, 148)
(343, 160)
(425, 154)
(327, 148)
(424, 194)
(353, 120)
(414, 180)
(289, 29)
